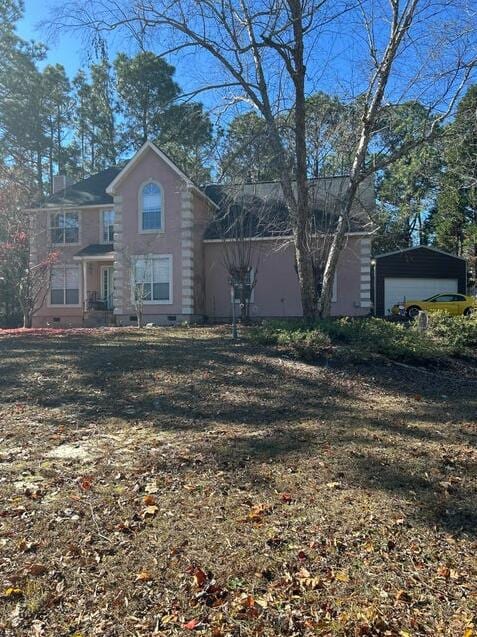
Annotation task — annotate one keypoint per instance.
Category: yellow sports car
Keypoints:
(455, 304)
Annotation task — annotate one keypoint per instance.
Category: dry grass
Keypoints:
(170, 481)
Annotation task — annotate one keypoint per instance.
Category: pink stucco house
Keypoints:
(148, 222)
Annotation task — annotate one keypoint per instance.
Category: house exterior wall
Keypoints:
(179, 239)
(89, 232)
(199, 281)
(421, 263)
(277, 292)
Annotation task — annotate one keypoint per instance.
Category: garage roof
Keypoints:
(388, 254)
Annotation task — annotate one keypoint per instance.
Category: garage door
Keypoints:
(397, 290)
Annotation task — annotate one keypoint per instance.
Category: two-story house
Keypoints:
(147, 226)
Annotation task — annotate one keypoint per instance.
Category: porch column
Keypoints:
(85, 285)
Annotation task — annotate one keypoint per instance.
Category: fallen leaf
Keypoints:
(257, 512)
(342, 576)
(199, 576)
(143, 576)
(85, 483)
(150, 511)
(286, 498)
(468, 632)
(192, 624)
(443, 571)
(403, 596)
(12, 592)
(149, 500)
(37, 569)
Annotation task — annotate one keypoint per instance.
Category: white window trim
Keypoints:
(170, 301)
(252, 295)
(50, 227)
(80, 287)
(102, 268)
(101, 213)
(139, 208)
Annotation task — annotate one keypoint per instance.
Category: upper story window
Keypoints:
(64, 227)
(107, 226)
(151, 208)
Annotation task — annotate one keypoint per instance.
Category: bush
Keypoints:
(456, 332)
(366, 337)
(309, 345)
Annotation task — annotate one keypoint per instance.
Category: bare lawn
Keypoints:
(171, 482)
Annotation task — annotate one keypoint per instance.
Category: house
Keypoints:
(147, 226)
(415, 273)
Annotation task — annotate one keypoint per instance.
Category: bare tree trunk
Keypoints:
(304, 259)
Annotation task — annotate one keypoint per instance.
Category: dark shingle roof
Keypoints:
(258, 210)
(97, 250)
(88, 192)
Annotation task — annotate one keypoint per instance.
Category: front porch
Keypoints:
(97, 284)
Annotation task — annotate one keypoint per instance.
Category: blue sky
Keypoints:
(66, 51)
(337, 63)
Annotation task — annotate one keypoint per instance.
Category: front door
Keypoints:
(107, 285)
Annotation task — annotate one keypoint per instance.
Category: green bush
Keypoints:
(309, 345)
(364, 337)
(456, 332)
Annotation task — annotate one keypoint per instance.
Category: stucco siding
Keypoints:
(134, 243)
(277, 292)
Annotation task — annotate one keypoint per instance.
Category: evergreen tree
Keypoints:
(146, 90)
(455, 220)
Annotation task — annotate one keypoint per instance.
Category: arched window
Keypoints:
(151, 208)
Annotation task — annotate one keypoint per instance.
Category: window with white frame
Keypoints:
(249, 286)
(64, 287)
(153, 279)
(64, 227)
(151, 208)
(107, 226)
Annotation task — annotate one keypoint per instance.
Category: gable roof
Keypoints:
(88, 192)
(148, 145)
(430, 248)
(98, 190)
(258, 210)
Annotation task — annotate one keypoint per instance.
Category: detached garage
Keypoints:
(415, 273)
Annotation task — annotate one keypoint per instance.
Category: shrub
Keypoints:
(455, 332)
(363, 337)
(309, 345)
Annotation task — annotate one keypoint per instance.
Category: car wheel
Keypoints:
(413, 311)
(469, 311)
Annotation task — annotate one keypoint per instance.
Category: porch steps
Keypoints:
(98, 318)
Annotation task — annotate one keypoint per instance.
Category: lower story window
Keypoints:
(65, 285)
(152, 279)
(248, 285)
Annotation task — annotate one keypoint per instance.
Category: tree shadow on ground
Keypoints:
(381, 425)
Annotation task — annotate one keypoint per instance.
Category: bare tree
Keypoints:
(141, 292)
(262, 48)
(237, 227)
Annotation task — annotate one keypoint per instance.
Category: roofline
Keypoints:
(269, 181)
(71, 207)
(148, 145)
(449, 254)
(281, 237)
(98, 257)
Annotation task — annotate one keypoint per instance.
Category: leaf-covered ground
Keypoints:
(171, 482)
